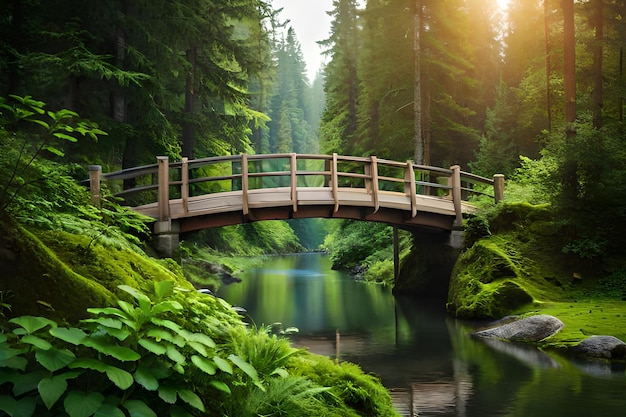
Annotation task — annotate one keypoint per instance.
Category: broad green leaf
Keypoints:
(220, 386)
(122, 379)
(167, 324)
(154, 347)
(192, 399)
(51, 389)
(25, 407)
(167, 307)
(70, 335)
(64, 136)
(36, 341)
(16, 362)
(282, 372)
(109, 410)
(138, 295)
(82, 404)
(167, 394)
(223, 364)
(104, 345)
(175, 355)
(88, 363)
(205, 365)
(106, 322)
(31, 323)
(7, 404)
(138, 408)
(40, 123)
(7, 352)
(54, 359)
(23, 383)
(163, 289)
(120, 335)
(144, 377)
(244, 366)
(129, 310)
(160, 334)
(202, 338)
(3, 338)
(53, 150)
(198, 347)
(112, 311)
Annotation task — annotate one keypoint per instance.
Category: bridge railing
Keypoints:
(244, 173)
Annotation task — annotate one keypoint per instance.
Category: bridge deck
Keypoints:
(262, 187)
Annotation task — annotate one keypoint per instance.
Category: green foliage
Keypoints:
(29, 134)
(352, 393)
(476, 228)
(5, 296)
(133, 357)
(252, 239)
(351, 242)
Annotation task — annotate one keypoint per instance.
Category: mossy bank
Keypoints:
(513, 262)
(72, 281)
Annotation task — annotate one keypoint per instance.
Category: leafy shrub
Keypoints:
(130, 359)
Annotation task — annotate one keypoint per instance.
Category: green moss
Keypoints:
(486, 282)
(363, 394)
(42, 282)
(60, 275)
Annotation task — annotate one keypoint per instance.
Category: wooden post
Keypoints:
(498, 187)
(396, 256)
(164, 188)
(334, 182)
(184, 186)
(95, 173)
(294, 182)
(373, 188)
(409, 186)
(456, 194)
(244, 184)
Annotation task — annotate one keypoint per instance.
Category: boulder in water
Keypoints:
(607, 347)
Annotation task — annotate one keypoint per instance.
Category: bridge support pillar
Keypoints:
(166, 238)
(426, 271)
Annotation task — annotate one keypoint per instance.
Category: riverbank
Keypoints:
(513, 264)
(57, 279)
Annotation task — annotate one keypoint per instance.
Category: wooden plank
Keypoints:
(294, 183)
(334, 182)
(409, 186)
(164, 188)
(374, 180)
(244, 185)
(184, 186)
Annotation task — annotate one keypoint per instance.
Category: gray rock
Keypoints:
(533, 329)
(607, 347)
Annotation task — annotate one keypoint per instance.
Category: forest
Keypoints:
(535, 92)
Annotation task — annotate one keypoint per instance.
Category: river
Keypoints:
(423, 356)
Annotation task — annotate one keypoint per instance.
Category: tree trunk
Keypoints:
(569, 67)
(596, 95)
(548, 65)
(190, 99)
(418, 153)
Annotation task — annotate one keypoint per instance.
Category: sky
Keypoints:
(311, 24)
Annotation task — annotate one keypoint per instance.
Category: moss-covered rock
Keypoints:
(485, 283)
(59, 275)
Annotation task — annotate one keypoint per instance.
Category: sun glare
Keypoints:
(503, 4)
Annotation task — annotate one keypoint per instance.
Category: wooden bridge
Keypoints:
(196, 194)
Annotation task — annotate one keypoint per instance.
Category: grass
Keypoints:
(582, 319)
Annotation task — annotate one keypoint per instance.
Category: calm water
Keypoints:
(424, 357)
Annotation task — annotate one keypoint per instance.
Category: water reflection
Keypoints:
(424, 357)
